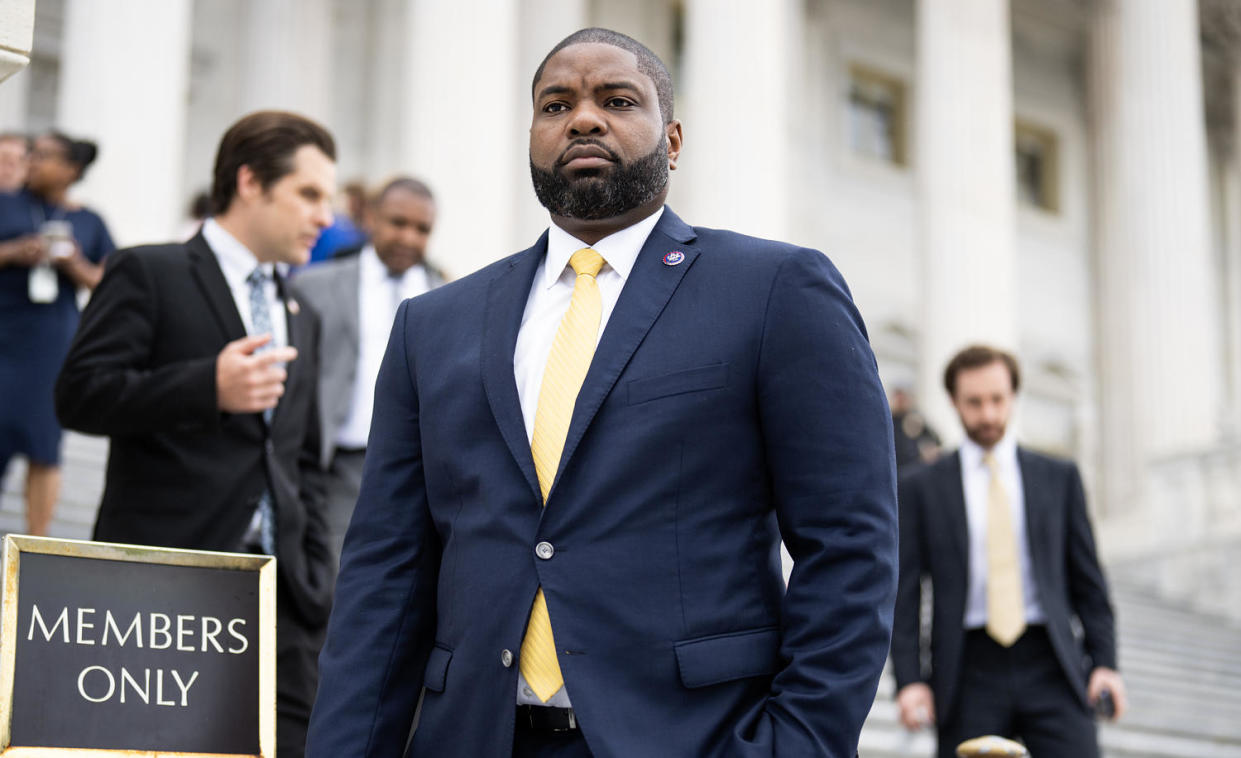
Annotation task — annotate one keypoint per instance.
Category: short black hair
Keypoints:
(79, 152)
(265, 141)
(977, 356)
(648, 62)
(406, 183)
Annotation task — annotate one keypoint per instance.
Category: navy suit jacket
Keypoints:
(733, 399)
(935, 545)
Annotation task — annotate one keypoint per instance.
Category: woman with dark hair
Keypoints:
(49, 249)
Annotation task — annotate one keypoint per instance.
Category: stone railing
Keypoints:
(1184, 539)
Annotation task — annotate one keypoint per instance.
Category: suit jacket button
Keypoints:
(544, 550)
(506, 658)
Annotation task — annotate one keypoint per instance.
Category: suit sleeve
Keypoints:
(312, 489)
(308, 287)
(906, 630)
(828, 436)
(383, 622)
(107, 385)
(1087, 586)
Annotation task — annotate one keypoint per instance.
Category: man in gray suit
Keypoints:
(356, 298)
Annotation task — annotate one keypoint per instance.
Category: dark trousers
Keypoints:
(297, 677)
(1019, 692)
(535, 743)
(344, 479)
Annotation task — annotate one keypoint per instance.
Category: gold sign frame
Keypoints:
(263, 565)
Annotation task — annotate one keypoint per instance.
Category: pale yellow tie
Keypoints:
(567, 364)
(1006, 616)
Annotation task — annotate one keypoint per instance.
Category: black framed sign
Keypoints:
(118, 649)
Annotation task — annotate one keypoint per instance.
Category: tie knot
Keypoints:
(586, 261)
(988, 460)
(257, 277)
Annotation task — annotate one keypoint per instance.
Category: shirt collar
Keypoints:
(235, 258)
(373, 269)
(1005, 452)
(619, 250)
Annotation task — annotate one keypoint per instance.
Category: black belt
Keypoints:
(350, 450)
(546, 719)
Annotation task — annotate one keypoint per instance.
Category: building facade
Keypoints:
(1061, 177)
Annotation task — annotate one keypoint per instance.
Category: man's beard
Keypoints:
(593, 197)
(986, 435)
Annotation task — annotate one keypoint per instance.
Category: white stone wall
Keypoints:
(861, 212)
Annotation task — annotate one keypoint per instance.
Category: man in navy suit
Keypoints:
(603, 577)
(1003, 536)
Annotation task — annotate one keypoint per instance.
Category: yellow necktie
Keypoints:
(567, 364)
(1006, 615)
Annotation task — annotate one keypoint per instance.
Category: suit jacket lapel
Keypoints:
(294, 324)
(647, 290)
(506, 302)
(347, 301)
(952, 495)
(215, 288)
(1038, 512)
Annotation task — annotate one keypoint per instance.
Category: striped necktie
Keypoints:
(260, 319)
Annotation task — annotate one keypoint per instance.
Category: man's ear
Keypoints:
(673, 130)
(248, 185)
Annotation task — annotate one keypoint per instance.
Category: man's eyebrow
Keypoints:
(619, 85)
(552, 89)
(560, 89)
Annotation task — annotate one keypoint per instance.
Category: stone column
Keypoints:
(458, 121)
(389, 75)
(739, 100)
(124, 76)
(965, 176)
(287, 56)
(1159, 342)
(14, 101)
(1232, 233)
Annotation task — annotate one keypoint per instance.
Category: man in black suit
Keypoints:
(191, 357)
(1002, 535)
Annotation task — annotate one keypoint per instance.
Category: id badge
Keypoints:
(43, 286)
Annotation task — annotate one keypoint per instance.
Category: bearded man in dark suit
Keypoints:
(582, 461)
(1003, 536)
(192, 358)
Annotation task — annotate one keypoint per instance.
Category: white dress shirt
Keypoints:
(237, 263)
(379, 295)
(976, 481)
(553, 289)
(549, 298)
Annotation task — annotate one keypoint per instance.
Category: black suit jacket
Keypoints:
(181, 473)
(934, 544)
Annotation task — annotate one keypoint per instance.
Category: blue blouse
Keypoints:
(21, 214)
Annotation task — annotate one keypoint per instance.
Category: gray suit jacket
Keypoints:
(331, 289)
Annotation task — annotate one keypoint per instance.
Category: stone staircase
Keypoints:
(1183, 674)
(82, 465)
(1182, 668)
(82, 462)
